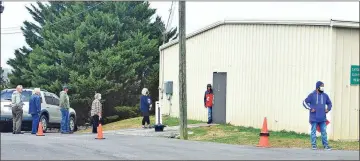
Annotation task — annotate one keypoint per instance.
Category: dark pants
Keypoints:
(95, 123)
(35, 123)
(17, 115)
(145, 119)
(65, 126)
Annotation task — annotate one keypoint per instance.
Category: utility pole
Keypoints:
(182, 72)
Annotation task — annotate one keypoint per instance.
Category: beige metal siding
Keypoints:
(346, 103)
(270, 70)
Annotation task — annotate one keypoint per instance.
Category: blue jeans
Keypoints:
(209, 114)
(35, 123)
(323, 133)
(65, 125)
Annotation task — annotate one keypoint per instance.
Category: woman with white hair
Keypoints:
(34, 109)
(145, 106)
(96, 110)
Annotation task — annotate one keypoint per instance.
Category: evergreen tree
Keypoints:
(106, 47)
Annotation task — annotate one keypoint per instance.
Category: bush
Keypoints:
(111, 119)
(121, 113)
(125, 112)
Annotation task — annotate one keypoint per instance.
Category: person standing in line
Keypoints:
(209, 101)
(64, 108)
(145, 107)
(17, 109)
(96, 111)
(315, 103)
(34, 109)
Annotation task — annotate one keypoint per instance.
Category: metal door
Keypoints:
(219, 88)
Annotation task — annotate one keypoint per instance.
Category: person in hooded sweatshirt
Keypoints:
(145, 107)
(316, 103)
(34, 109)
(209, 101)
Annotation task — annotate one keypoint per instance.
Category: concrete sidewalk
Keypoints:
(169, 132)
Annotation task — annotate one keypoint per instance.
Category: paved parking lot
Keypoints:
(55, 146)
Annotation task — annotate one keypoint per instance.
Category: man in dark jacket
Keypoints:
(209, 102)
(34, 109)
(316, 104)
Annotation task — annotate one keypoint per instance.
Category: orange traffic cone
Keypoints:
(40, 130)
(99, 132)
(264, 135)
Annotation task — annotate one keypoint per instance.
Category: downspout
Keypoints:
(333, 77)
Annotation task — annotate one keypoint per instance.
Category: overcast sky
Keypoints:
(199, 14)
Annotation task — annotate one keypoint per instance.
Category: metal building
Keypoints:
(266, 69)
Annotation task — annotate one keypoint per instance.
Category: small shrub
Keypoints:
(125, 112)
(111, 119)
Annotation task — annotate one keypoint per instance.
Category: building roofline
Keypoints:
(330, 23)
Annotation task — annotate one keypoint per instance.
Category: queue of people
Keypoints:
(35, 109)
(315, 102)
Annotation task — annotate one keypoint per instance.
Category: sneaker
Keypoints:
(327, 148)
(313, 147)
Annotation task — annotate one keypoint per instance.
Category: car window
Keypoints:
(6, 95)
(48, 98)
(55, 100)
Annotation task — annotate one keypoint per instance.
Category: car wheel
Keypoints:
(72, 123)
(45, 122)
(5, 128)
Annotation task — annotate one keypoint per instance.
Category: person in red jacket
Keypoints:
(209, 101)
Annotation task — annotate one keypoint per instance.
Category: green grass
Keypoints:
(136, 123)
(238, 135)
(229, 134)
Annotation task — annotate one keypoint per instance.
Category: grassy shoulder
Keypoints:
(250, 136)
(136, 123)
(230, 134)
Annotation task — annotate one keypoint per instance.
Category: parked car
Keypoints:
(50, 115)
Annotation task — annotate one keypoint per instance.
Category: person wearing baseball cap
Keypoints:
(64, 108)
(209, 101)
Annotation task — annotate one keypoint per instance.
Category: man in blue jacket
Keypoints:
(315, 103)
(34, 109)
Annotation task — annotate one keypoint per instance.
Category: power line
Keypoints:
(14, 27)
(168, 22)
(10, 33)
(64, 19)
(170, 13)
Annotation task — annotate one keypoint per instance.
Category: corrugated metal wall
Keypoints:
(346, 103)
(270, 70)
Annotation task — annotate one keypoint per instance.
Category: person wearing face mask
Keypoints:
(209, 101)
(96, 110)
(145, 107)
(316, 103)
